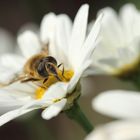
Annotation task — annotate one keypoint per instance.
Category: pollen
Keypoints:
(39, 92)
(65, 77)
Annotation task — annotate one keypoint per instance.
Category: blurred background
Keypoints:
(15, 14)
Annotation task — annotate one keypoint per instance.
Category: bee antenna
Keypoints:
(45, 80)
(62, 68)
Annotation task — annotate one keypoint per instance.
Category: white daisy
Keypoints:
(118, 104)
(69, 45)
(119, 46)
(117, 130)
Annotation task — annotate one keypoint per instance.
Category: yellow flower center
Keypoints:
(52, 80)
(128, 68)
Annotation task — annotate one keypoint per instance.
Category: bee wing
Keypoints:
(45, 49)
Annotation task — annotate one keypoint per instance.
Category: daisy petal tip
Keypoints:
(83, 9)
(47, 27)
(100, 17)
(29, 43)
(27, 33)
(118, 104)
(102, 102)
(85, 6)
(129, 6)
(53, 110)
(48, 17)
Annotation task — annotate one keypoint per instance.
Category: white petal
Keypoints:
(9, 102)
(37, 104)
(12, 115)
(79, 27)
(119, 130)
(29, 26)
(119, 35)
(85, 54)
(47, 27)
(56, 92)
(91, 40)
(10, 65)
(63, 32)
(27, 107)
(64, 26)
(29, 43)
(119, 104)
(22, 89)
(8, 99)
(54, 109)
(12, 61)
(48, 33)
(15, 95)
(6, 41)
(111, 31)
(78, 32)
(82, 61)
(76, 77)
(130, 18)
(6, 75)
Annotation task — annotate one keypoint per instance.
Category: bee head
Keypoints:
(47, 66)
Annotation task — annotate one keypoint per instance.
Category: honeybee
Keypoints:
(38, 68)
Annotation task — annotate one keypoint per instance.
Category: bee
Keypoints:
(38, 68)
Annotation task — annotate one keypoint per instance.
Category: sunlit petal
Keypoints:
(118, 104)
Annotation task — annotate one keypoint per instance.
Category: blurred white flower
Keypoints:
(7, 45)
(6, 42)
(119, 46)
(69, 45)
(118, 104)
(117, 130)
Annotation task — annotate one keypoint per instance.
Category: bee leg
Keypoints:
(57, 78)
(29, 79)
(60, 65)
(15, 79)
(62, 68)
(45, 80)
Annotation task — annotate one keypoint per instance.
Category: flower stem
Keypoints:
(76, 114)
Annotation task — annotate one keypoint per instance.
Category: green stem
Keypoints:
(76, 114)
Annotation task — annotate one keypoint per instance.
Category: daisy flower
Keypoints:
(119, 104)
(68, 44)
(118, 49)
(117, 130)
